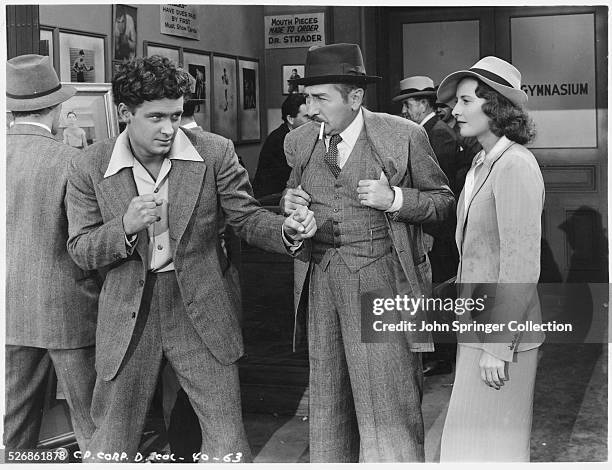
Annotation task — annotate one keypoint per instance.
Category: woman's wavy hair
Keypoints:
(148, 79)
(506, 118)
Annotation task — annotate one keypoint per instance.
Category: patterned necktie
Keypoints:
(331, 157)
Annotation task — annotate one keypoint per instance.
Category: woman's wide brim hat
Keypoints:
(415, 87)
(334, 63)
(500, 75)
(32, 84)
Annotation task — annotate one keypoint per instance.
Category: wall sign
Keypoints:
(303, 30)
(556, 57)
(179, 20)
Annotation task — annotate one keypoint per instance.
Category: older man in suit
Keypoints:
(371, 179)
(145, 206)
(51, 304)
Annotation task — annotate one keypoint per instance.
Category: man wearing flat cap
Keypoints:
(51, 304)
(371, 180)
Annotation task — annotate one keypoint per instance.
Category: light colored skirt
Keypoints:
(484, 424)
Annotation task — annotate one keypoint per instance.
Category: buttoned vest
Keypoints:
(359, 234)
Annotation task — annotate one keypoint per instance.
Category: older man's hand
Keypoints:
(300, 225)
(293, 199)
(376, 193)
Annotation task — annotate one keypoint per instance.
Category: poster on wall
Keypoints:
(225, 104)
(198, 65)
(249, 110)
(292, 72)
(300, 30)
(124, 32)
(46, 39)
(172, 53)
(179, 20)
(81, 58)
(556, 56)
(89, 116)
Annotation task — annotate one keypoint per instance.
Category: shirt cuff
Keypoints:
(130, 243)
(291, 245)
(398, 201)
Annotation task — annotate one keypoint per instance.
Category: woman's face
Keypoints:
(472, 121)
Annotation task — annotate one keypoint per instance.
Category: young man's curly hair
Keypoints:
(148, 79)
(506, 118)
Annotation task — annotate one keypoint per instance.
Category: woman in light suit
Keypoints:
(498, 236)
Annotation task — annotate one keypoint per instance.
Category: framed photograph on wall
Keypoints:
(198, 65)
(171, 52)
(46, 43)
(125, 28)
(225, 102)
(81, 57)
(290, 72)
(249, 109)
(89, 116)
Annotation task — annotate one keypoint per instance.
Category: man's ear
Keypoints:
(356, 98)
(290, 120)
(124, 112)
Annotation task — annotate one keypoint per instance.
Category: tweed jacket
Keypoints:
(96, 206)
(403, 151)
(50, 302)
(498, 238)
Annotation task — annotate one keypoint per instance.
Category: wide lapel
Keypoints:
(117, 191)
(483, 175)
(307, 151)
(184, 187)
(390, 151)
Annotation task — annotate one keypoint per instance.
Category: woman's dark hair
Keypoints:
(148, 79)
(506, 118)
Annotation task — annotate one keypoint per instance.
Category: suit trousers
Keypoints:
(164, 331)
(26, 373)
(488, 425)
(365, 398)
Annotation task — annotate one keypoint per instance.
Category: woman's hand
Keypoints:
(493, 371)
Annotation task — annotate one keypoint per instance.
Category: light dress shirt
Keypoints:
(158, 249)
(477, 163)
(427, 118)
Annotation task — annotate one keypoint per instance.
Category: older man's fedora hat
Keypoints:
(500, 75)
(334, 63)
(413, 87)
(32, 84)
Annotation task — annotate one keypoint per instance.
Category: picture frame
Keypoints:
(287, 73)
(249, 109)
(171, 52)
(46, 39)
(94, 114)
(125, 32)
(197, 63)
(81, 57)
(225, 102)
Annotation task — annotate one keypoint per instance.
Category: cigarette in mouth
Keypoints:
(321, 130)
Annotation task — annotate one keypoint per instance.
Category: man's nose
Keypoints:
(167, 127)
(312, 109)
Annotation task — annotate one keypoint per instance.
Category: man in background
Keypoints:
(418, 97)
(51, 304)
(272, 170)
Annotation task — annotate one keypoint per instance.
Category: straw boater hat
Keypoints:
(500, 75)
(32, 84)
(335, 63)
(414, 87)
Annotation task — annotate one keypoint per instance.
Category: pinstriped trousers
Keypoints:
(164, 331)
(488, 425)
(365, 398)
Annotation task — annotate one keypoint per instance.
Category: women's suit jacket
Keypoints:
(498, 237)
